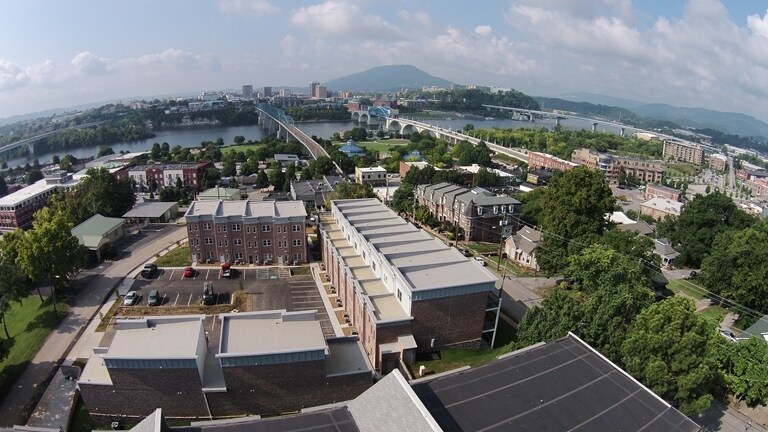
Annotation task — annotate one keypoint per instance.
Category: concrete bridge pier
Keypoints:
(594, 127)
(272, 127)
(373, 121)
(31, 148)
(557, 121)
(530, 117)
(260, 122)
(622, 131)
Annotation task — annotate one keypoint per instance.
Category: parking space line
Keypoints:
(308, 302)
(172, 272)
(207, 273)
(177, 300)
(190, 299)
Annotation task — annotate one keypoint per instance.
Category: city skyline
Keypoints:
(702, 53)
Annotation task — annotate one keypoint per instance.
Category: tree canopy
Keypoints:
(669, 349)
(573, 215)
(702, 219)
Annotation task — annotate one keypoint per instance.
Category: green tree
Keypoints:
(33, 176)
(349, 190)
(639, 248)
(13, 284)
(560, 312)
(230, 167)
(276, 176)
(484, 177)
(669, 348)
(321, 166)
(701, 220)
(3, 186)
(573, 215)
(737, 266)
(105, 194)
(239, 139)
(104, 151)
(745, 367)
(402, 199)
(50, 253)
(262, 179)
(154, 152)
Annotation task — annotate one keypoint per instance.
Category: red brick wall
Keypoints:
(138, 392)
(449, 320)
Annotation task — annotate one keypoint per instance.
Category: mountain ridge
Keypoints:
(387, 79)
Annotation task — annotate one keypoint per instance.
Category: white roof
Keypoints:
(270, 332)
(664, 204)
(619, 218)
(247, 209)
(157, 338)
(38, 188)
(372, 169)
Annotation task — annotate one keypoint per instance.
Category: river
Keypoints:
(193, 137)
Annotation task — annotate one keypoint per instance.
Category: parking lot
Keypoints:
(270, 288)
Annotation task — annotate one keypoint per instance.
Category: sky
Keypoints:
(706, 53)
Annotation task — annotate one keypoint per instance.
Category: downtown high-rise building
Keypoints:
(267, 91)
(320, 92)
(313, 88)
(248, 91)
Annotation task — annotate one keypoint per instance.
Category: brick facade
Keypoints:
(164, 175)
(449, 320)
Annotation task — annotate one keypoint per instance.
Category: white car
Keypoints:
(480, 261)
(728, 335)
(131, 298)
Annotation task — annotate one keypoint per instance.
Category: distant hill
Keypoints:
(387, 79)
(729, 122)
(599, 99)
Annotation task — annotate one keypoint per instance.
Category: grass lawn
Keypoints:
(452, 359)
(81, 420)
(682, 170)
(714, 314)
(178, 257)
(29, 324)
(300, 271)
(691, 289)
(379, 146)
(482, 248)
(241, 148)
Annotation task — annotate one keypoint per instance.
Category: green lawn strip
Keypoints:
(178, 257)
(687, 288)
(715, 314)
(300, 271)
(241, 148)
(453, 359)
(29, 324)
(681, 170)
(81, 420)
(482, 248)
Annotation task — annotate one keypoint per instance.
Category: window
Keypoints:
(297, 242)
(209, 255)
(219, 243)
(237, 242)
(224, 228)
(266, 242)
(296, 228)
(297, 257)
(266, 228)
(218, 228)
(399, 295)
(495, 209)
(207, 226)
(267, 257)
(235, 227)
(248, 229)
(238, 256)
(479, 211)
(208, 241)
(282, 243)
(250, 245)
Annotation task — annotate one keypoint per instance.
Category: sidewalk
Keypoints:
(93, 285)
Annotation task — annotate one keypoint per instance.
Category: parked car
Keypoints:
(189, 272)
(149, 270)
(131, 298)
(226, 270)
(728, 335)
(153, 299)
(480, 261)
(466, 252)
(208, 296)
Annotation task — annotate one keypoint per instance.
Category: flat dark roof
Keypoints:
(558, 386)
(335, 419)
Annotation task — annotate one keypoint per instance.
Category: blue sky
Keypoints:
(704, 53)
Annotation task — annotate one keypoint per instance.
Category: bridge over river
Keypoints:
(30, 142)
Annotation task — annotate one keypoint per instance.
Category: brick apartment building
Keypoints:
(17, 209)
(482, 215)
(643, 170)
(265, 363)
(657, 190)
(165, 175)
(538, 160)
(267, 232)
(683, 151)
(404, 291)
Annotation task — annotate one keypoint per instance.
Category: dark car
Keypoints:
(153, 299)
(208, 296)
(149, 270)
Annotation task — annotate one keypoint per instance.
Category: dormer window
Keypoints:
(479, 211)
(495, 209)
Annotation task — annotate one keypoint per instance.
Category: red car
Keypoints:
(189, 272)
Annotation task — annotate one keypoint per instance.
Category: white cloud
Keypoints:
(483, 30)
(172, 58)
(258, 7)
(337, 18)
(758, 25)
(86, 63)
(12, 76)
